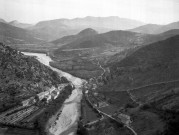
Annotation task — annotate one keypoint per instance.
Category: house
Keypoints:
(28, 102)
(48, 97)
(42, 95)
(54, 94)
(124, 118)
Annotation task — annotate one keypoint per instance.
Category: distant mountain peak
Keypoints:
(87, 32)
(19, 24)
(2, 20)
(148, 28)
(70, 38)
(156, 29)
(14, 22)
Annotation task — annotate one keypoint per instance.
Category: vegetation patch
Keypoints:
(88, 113)
(22, 77)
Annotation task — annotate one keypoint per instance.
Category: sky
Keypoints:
(33, 11)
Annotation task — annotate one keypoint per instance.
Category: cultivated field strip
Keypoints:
(20, 115)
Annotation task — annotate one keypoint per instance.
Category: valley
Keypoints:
(89, 76)
(131, 78)
(63, 119)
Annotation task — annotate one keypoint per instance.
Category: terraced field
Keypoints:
(151, 92)
(18, 116)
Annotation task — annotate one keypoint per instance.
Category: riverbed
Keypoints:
(66, 123)
(44, 59)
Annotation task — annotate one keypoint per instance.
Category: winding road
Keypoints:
(109, 116)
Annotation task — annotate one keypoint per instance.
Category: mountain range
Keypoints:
(22, 39)
(112, 39)
(11, 34)
(63, 27)
(87, 33)
(19, 24)
(156, 29)
(16, 23)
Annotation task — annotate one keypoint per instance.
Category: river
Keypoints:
(66, 123)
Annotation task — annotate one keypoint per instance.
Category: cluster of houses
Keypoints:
(99, 102)
(48, 95)
(18, 113)
(122, 118)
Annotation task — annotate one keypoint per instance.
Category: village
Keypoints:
(102, 105)
(25, 114)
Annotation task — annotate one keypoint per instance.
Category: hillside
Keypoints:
(115, 39)
(2, 20)
(150, 77)
(19, 24)
(153, 63)
(22, 39)
(148, 28)
(165, 51)
(155, 29)
(167, 27)
(170, 33)
(22, 76)
(64, 27)
(71, 38)
(13, 35)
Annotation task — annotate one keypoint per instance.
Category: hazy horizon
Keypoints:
(33, 11)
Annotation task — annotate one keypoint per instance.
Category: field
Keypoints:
(19, 131)
(88, 113)
(36, 48)
(151, 92)
(110, 110)
(119, 99)
(147, 123)
(82, 68)
(108, 127)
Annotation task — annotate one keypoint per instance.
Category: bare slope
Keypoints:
(10, 34)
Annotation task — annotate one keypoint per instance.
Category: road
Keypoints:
(152, 84)
(134, 98)
(110, 116)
